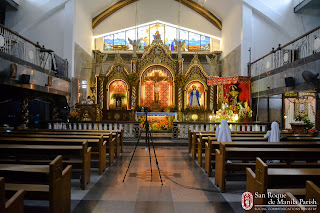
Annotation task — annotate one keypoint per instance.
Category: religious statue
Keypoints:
(195, 95)
(234, 95)
(179, 44)
(213, 64)
(141, 44)
(156, 79)
(134, 44)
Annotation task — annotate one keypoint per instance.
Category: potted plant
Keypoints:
(309, 127)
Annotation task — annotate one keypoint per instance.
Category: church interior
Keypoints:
(159, 106)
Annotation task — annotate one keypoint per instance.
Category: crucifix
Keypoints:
(156, 79)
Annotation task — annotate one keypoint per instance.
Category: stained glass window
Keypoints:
(155, 29)
(184, 37)
(108, 42)
(119, 41)
(194, 42)
(205, 43)
(130, 34)
(170, 35)
(143, 36)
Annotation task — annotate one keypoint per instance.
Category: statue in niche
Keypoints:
(134, 44)
(213, 65)
(195, 96)
(234, 95)
(180, 44)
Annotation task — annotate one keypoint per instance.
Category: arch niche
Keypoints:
(201, 87)
(156, 83)
(116, 87)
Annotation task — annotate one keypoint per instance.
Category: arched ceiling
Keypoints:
(189, 3)
(218, 8)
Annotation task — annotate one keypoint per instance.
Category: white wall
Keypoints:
(83, 34)
(231, 30)
(287, 26)
(152, 10)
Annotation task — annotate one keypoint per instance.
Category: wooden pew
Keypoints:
(98, 145)
(197, 148)
(246, 154)
(210, 156)
(41, 182)
(113, 146)
(200, 149)
(312, 192)
(77, 156)
(117, 133)
(278, 181)
(14, 204)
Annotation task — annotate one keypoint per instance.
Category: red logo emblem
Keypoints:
(247, 201)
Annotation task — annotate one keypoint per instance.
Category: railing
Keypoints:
(302, 47)
(16, 45)
(180, 129)
(131, 129)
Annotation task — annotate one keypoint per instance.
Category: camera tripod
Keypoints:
(149, 143)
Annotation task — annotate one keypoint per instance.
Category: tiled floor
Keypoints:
(138, 194)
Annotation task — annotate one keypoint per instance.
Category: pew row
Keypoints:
(77, 156)
(41, 182)
(278, 181)
(312, 192)
(119, 134)
(288, 155)
(14, 203)
(99, 146)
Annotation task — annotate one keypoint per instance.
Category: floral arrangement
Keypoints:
(74, 117)
(244, 111)
(118, 96)
(224, 113)
(133, 78)
(113, 107)
(180, 80)
(158, 124)
(170, 108)
(195, 109)
(234, 113)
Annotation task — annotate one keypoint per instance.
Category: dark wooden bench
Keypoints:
(98, 145)
(312, 192)
(119, 134)
(288, 155)
(113, 146)
(14, 203)
(278, 181)
(213, 145)
(41, 182)
(77, 156)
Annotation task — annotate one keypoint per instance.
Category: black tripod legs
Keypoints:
(155, 156)
(132, 156)
(148, 143)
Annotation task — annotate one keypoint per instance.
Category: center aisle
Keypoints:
(138, 194)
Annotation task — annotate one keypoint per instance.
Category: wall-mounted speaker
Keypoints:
(290, 82)
(25, 79)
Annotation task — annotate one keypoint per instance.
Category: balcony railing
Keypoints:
(302, 47)
(16, 45)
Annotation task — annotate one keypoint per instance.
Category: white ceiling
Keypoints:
(218, 7)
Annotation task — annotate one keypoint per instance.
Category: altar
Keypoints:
(171, 91)
(159, 121)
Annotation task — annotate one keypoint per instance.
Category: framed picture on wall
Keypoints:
(301, 108)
